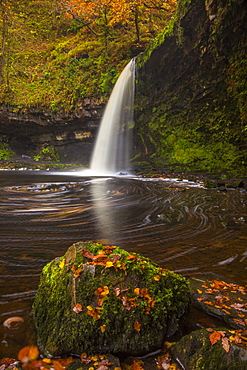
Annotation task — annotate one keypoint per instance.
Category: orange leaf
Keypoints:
(208, 303)
(57, 365)
(94, 312)
(137, 325)
(157, 278)
(100, 302)
(77, 308)
(100, 257)
(34, 365)
(200, 299)
(102, 291)
(28, 353)
(131, 257)
(102, 328)
(137, 365)
(77, 273)
(215, 337)
(109, 249)
(128, 303)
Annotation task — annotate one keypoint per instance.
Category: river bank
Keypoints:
(221, 180)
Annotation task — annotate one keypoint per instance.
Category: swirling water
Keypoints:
(179, 225)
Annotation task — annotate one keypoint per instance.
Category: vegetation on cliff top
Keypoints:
(60, 54)
(56, 53)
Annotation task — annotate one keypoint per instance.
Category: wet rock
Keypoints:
(7, 363)
(101, 299)
(196, 351)
(225, 300)
(95, 362)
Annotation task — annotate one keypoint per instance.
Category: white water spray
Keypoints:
(113, 145)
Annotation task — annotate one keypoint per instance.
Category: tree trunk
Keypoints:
(137, 24)
(3, 43)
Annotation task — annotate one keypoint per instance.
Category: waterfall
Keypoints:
(111, 152)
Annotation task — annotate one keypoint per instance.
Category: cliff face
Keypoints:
(28, 131)
(191, 92)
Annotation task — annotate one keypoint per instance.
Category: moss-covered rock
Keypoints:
(102, 299)
(196, 351)
(191, 96)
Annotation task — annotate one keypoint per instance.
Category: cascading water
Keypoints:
(113, 144)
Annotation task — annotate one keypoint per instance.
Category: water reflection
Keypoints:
(101, 198)
(180, 226)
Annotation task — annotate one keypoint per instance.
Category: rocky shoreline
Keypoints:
(220, 181)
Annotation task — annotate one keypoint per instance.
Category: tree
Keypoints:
(105, 15)
(5, 21)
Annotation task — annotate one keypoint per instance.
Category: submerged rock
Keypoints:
(102, 299)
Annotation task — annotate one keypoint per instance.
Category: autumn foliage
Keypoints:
(102, 16)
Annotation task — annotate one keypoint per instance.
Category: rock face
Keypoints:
(27, 131)
(192, 89)
(101, 299)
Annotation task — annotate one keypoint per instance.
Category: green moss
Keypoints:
(195, 351)
(160, 296)
(5, 152)
(47, 153)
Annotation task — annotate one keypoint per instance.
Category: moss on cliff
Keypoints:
(192, 86)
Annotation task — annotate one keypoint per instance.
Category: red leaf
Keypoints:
(87, 254)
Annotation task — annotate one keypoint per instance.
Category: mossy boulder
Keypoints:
(102, 299)
(200, 351)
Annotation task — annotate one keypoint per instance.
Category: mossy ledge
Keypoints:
(102, 299)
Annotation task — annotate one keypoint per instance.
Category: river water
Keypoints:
(178, 224)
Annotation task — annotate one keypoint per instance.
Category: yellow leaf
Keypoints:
(102, 328)
(199, 291)
(137, 291)
(62, 264)
(47, 360)
(109, 264)
(94, 312)
(169, 344)
(157, 278)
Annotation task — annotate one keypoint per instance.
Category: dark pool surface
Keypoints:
(179, 225)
